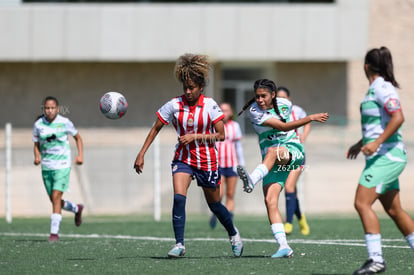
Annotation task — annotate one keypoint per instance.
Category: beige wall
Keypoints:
(317, 87)
(79, 86)
(154, 32)
(391, 24)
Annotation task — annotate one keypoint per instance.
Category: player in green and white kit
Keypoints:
(385, 157)
(52, 150)
(281, 151)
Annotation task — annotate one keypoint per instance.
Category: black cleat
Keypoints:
(371, 267)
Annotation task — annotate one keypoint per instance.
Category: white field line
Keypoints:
(344, 242)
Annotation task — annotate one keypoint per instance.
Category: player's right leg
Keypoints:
(56, 217)
(182, 176)
(272, 192)
(54, 196)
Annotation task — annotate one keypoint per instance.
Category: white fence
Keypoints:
(108, 185)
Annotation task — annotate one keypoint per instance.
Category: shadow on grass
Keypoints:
(211, 257)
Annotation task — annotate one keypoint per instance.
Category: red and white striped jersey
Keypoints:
(298, 113)
(199, 119)
(228, 157)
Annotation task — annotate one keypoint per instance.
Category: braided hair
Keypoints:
(271, 87)
(192, 67)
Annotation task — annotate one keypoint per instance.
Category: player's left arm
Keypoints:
(217, 135)
(397, 119)
(291, 125)
(79, 145)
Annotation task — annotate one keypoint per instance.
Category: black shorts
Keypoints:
(228, 172)
(207, 179)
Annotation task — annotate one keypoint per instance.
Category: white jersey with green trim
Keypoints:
(53, 141)
(268, 136)
(376, 108)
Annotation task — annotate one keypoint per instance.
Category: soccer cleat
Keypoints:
(371, 267)
(213, 221)
(247, 181)
(288, 228)
(283, 253)
(78, 215)
(53, 238)
(177, 251)
(304, 227)
(236, 244)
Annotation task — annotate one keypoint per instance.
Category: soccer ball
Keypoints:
(113, 105)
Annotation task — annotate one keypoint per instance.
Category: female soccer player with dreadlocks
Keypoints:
(198, 121)
(281, 152)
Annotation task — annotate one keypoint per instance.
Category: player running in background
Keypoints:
(385, 157)
(198, 121)
(230, 155)
(291, 194)
(281, 152)
(52, 150)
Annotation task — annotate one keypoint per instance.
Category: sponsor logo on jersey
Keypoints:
(276, 136)
(190, 122)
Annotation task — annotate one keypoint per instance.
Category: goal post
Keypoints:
(8, 145)
(157, 180)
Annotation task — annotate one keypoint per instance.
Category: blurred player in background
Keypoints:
(198, 121)
(52, 150)
(291, 194)
(281, 151)
(385, 157)
(230, 155)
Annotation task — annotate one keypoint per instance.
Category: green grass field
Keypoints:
(138, 245)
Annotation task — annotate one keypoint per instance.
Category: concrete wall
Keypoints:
(390, 25)
(317, 87)
(329, 183)
(79, 51)
(154, 32)
(79, 86)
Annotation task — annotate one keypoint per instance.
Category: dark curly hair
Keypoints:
(192, 67)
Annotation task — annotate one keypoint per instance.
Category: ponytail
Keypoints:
(250, 102)
(387, 67)
(274, 101)
(379, 60)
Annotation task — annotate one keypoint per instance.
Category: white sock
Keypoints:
(259, 173)
(55, 220)
(410, 240)
(280, 235)
(374, 248)
(72, 207)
